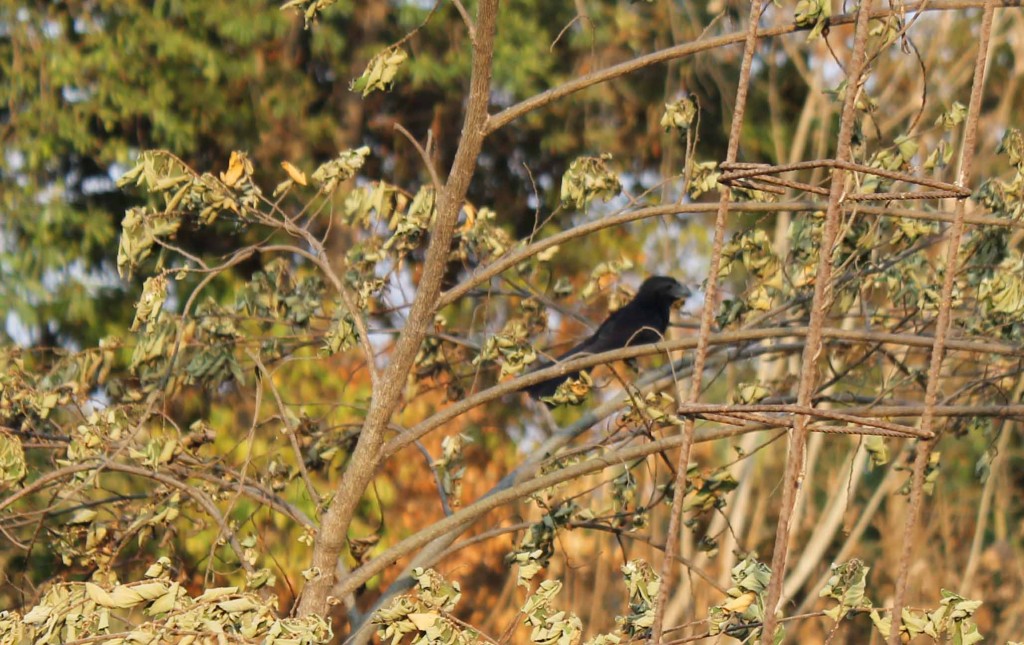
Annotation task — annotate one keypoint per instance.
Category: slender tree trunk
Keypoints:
(367, 455)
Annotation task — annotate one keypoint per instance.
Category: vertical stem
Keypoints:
(707, 316)
(924, 448)
(812, 349)
(366, 457)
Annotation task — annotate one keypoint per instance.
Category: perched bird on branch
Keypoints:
(641, 322)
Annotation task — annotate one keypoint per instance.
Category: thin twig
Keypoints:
(706, 322)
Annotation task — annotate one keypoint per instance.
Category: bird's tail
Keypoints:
(547, 388)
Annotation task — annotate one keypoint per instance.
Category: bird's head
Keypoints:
(663, 289)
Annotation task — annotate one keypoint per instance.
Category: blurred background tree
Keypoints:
(91, 84)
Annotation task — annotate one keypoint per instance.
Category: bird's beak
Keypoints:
(680, 292)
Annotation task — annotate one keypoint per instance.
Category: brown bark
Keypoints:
(367, 455)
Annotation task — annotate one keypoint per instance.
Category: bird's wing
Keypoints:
(602, 340)
(631, 325)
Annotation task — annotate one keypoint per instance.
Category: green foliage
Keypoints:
(878, 451)
(931, 475)
(451, 467)
(624, 495)
(12, 460)
(752, 250)
(846, 584)
(342, 168)
(89, 85)
(589, 178)
(883, 32)
(679, 115)
(310, 9)
(751, 393)
(550, 626)
(951, 622)
(745, 606)
(342, 334)
(707, 490)
(512, 346)
(538, 543)
(572, 391)
(154, 295)
(814, 14)
(652, 410)
(425, 613)
(380, 71)
(897, 157)
(703, 179)
(643, 586)
(953, 117)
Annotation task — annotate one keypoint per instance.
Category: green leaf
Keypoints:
(380, 71)
(813, 12)
(586, 179)
(952, 117)
(846, 584)
(679, 115)
(12, 460)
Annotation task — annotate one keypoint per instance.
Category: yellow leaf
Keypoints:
(164, 603)
(216, 592)
(423, 622)
(82, 516)
(238, 605)
(37, 615)
(167, 452)
(297, 175)
(236, 166)
(470, 212)
(739, 605)
(99, 595)
(760, 299)
(548, 254)
(124, 596)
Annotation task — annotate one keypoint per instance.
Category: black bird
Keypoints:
(641, 322)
